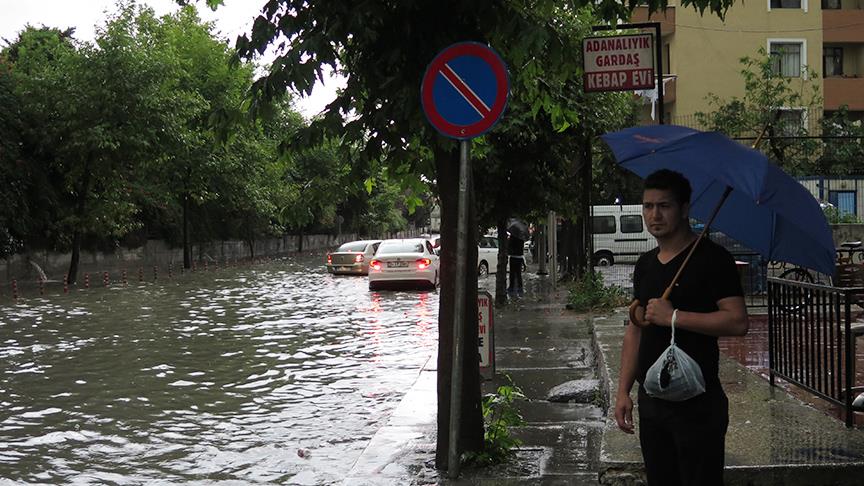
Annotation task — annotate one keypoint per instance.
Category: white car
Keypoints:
(487, 255)
(352, 258)
(408, 261)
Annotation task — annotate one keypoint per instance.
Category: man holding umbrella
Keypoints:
(518, 233)
(682, 441)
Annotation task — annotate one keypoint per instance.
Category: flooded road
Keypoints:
(276, 373)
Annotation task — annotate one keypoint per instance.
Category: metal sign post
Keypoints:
(453, 460)
(464, 92)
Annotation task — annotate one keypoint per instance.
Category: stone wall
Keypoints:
(847, 232)
(23, 267)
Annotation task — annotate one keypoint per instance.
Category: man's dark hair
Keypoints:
(669, 180)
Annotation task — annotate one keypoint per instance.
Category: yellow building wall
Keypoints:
(705, 51)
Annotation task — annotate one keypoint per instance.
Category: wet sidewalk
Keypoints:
(773, 437)
(539, 344)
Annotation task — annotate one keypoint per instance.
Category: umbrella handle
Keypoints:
(637, 312)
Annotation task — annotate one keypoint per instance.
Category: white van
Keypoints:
(620, 235)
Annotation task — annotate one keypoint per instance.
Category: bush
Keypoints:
(835, 216)
(499, 415)
(589, 294)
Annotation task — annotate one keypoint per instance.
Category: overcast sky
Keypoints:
(235, 17)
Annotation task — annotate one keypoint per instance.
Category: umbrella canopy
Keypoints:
(767, 211)
(518, 228)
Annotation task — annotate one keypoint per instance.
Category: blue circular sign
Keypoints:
(465, 90)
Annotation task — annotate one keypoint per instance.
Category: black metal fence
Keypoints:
(810, 339)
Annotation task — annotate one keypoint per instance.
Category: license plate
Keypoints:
(397, 264)
(344, 269)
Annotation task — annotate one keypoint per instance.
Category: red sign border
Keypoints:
(499, 69)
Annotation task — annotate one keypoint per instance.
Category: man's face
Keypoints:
(662, 213)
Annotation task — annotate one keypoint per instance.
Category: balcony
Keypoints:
(844, 91)
(669, 82)
(666, 19)
(843, 25)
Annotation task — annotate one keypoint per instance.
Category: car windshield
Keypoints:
(353, 246)
(401, 247)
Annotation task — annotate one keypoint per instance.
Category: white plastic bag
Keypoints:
(675, 376)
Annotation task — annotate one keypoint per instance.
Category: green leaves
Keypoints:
(499, 415)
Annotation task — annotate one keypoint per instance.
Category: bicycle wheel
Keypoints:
(798, 275)
(792, 304)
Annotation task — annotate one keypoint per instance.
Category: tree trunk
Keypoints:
(568, 250)
(187, 249)
(501, 275)
(80, 205)
(300, 242)
(72, 276)
(471, 429)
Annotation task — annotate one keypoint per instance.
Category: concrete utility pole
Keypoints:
(552, 226)
(541, 251)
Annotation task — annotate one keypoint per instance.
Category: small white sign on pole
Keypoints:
(486, 339)
(618, 63)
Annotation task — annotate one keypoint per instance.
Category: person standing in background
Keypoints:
(515, 250)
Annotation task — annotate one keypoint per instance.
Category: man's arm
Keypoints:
(626, 378)
(729, 320)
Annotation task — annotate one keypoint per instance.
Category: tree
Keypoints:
(31, 206)
(384, 50)
(763, 106)
(841, 155)
(95, 112)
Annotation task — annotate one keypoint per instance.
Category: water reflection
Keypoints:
(270, 374)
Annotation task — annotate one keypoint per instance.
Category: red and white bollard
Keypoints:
(105, 279)
(170, 271)
(125, 282)
(140, 274)
(41, 286)
(205, 266)
(86, 280)
(14, 289)
(155, 273)
(65, 284)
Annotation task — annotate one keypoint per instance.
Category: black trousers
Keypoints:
(515, 274)
(683, 443)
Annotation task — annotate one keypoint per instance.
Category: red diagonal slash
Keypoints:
(463, 89)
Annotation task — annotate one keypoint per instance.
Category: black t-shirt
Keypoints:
(709, 276)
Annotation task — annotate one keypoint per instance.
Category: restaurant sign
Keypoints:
(618, 63)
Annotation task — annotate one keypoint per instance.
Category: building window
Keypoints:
(786, 59)
(830, 4)
(832, 61)
(785, 4)
(844, 201)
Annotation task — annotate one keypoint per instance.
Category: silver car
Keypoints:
(352, 258)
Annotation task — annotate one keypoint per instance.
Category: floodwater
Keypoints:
(274, 373)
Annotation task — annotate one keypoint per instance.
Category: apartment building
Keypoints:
(701, 53)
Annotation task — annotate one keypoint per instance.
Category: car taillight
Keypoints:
(375, 264)
(423, 263)
(358, 258)
(329, 258)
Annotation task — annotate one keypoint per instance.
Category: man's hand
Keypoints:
(624, 412)
(659, 312)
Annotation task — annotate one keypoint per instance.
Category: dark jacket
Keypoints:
(515, 246)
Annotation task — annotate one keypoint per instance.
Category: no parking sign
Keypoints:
(465, 90)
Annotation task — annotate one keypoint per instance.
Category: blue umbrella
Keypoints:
(766, 210)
